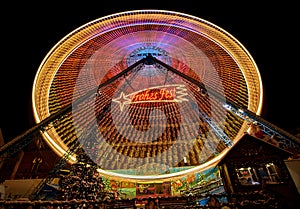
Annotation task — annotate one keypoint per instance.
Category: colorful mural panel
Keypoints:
(208, 181)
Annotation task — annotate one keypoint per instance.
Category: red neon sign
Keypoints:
(170, 93)
(154, 95)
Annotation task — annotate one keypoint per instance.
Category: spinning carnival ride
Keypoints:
(148, 95)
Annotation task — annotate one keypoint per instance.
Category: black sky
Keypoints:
(268, 32)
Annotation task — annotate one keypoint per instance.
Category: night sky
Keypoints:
(268, 32)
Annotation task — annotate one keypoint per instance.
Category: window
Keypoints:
(247, 176)
(255, 175)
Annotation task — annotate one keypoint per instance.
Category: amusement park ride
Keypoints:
(291, 142)
(147, 59)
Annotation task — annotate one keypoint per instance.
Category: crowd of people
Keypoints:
(237, 201)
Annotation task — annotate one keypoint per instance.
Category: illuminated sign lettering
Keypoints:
(167, 93)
